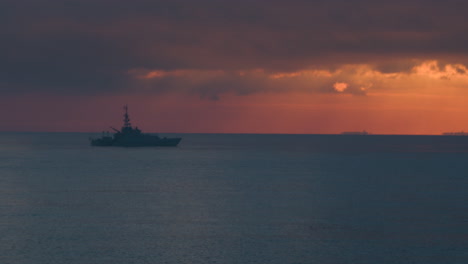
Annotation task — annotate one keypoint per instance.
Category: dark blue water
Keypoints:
(234, 199)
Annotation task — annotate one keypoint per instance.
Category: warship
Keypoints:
(129, 136)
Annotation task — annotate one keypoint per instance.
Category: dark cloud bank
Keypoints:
(90, 46)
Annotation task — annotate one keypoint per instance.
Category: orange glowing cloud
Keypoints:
(355, 79)
(340, 86)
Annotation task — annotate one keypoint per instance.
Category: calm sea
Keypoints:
(241, 199)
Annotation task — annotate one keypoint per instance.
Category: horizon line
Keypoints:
(237, 133)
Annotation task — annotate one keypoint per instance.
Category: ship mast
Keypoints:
(126, 118)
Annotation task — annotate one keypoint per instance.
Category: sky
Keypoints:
(245, 66)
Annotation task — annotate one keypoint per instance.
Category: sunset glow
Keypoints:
(201, 68)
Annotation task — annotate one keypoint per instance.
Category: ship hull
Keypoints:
(132, 142)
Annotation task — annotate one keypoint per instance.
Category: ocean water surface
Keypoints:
(285, 199)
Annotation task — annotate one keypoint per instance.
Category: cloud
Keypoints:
(353, 79)
(340, 86)
(204, 47)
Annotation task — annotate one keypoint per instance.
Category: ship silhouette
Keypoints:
(128, 136)
(355, 133)
(461, 133)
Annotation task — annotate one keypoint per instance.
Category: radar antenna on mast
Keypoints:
(126, 118)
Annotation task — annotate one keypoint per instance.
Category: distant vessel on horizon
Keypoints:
(132, 137)
(355, 133)
(461, 133)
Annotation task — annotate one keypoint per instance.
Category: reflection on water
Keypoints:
(234, 199)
